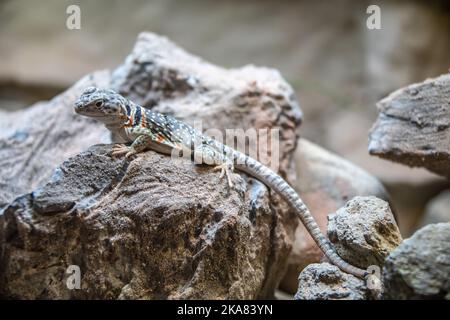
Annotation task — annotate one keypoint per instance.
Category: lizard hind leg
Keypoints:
(211, 156)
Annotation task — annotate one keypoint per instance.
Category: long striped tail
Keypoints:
(278, 184)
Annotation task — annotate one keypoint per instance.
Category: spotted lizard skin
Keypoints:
(145, 129)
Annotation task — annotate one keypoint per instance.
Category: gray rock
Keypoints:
(325, 182)
(413, 126)
(438, 209)
(326, 282)
(137, 229)
(420, 267)
(364, 232)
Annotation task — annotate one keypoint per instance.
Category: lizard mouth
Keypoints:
(80, 110)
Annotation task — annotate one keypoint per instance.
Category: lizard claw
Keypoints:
(226, 169)
(222, 170)
(120, 149)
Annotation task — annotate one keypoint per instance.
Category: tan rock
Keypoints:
(364, 231)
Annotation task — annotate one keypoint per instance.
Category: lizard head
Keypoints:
(102, 104)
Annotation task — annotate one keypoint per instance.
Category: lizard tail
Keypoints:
(278, 184)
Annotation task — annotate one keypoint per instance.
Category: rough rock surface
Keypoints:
(325, 281)
(123, 222)
(420, 267)
(364, 232)
(137, 230)
(325, 182)
(413, 126)
(438, 209)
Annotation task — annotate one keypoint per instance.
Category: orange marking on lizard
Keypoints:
(129, 123)
(160, 139)
(143, 120)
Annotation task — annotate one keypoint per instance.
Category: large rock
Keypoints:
(325, 281)
(122, 222)
(325, 182)
(420, 267)
(364, 232)
(136, 230)
(413, 126)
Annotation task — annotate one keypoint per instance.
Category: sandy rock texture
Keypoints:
(413, 126)
(148, 228)
(325, 281)
(364, 232)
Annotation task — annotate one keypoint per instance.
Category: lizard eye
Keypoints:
(99, 103)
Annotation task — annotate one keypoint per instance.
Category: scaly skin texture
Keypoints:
(144, 129)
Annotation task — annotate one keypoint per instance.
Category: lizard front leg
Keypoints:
(139, 144)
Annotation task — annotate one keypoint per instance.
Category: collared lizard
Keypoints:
(145, 129)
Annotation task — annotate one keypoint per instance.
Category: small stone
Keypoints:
(364, 232)
(326, 282)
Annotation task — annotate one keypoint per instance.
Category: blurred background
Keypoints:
(338, 68)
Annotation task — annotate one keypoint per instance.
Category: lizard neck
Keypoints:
(125, 118)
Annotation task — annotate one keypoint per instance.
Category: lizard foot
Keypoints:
(120, 149)
(225, 169)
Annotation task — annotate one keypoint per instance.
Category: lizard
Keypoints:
(145, 129)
